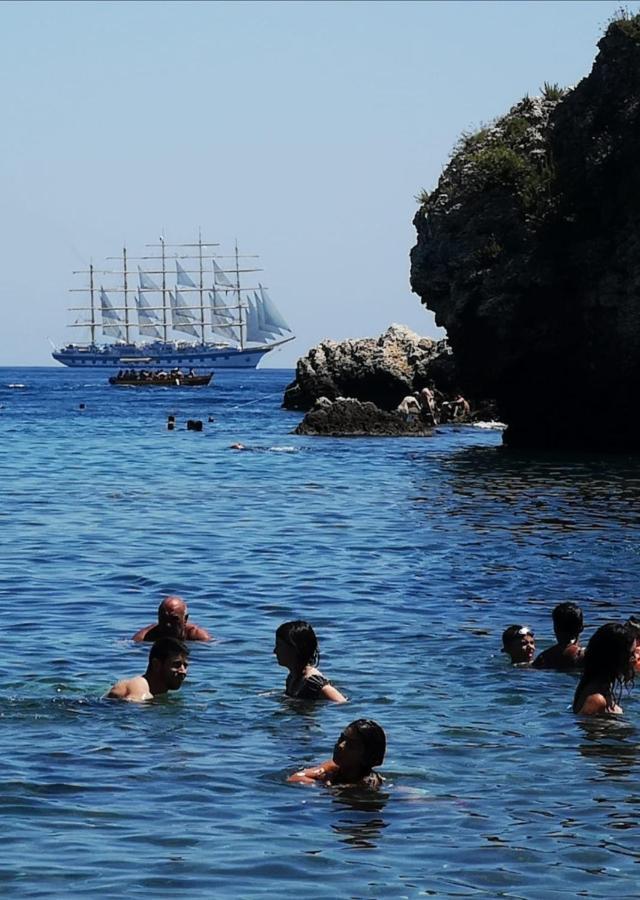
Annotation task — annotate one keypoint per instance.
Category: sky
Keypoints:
(304, 130)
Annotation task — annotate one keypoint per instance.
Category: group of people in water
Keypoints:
(608, 663)
(361, 745)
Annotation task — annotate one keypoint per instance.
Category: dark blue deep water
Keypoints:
(409, 556)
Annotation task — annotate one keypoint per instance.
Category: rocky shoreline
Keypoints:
(355, 387)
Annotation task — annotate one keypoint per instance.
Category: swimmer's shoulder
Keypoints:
(134, 690)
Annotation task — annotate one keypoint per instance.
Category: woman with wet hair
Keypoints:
(296, 649)
(360, 747)
(609, 665)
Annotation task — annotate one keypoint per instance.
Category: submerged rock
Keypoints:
(381, 370)
(528, 252)
(348, 417)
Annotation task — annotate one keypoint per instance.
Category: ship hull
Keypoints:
(142, 356)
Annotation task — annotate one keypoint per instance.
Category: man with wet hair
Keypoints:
(519, 643)
(173, 621)
(166, 670)
(567, 655)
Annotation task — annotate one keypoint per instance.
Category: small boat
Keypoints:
(147, 378)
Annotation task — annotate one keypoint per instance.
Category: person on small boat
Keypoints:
(519, 643)
(166, 671)
(296, 649)
(609, 665)
(567, 654)
(173, 621)
(360, 747)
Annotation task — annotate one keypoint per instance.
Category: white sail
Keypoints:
(222, 320)
(219, 277)
(272, 314)
(182, 318)
(255, 333)
(182, 278)
(146, 282)
(148, 321)
(111, 320)
(268, 330)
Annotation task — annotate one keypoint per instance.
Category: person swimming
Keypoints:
(609, 665)
(296, 649)
(567, 654)
(166, 671)
(519, 643)
(360, 747)
(173, 621)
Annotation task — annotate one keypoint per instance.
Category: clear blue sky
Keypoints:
(304, 129)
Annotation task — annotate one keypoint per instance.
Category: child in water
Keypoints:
(360, 747)
(296, 649)
(519, 644)
(567, 654)
(609, 665)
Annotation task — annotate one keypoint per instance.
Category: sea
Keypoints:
(408, 556)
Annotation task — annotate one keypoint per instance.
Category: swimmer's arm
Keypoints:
(331, 693)
(309, 776)
(594, 705)
(142, 634)
(195, 633)
(120, 691)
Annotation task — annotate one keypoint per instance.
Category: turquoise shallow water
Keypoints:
(408, 556)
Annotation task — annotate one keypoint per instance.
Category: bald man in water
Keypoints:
(173, 615)
(166, 670)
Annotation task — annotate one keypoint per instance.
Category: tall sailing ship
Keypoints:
(230, 326)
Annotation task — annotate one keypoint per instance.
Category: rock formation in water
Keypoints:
(528, 252)
(381, 370)
(348, 417)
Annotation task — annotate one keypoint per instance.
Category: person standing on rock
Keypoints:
(426, 399)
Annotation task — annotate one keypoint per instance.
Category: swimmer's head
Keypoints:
(611, 654)
(567, 621)
(173, 615)
(519, 643)
(296, 645)
(360, 747)
(169, 659)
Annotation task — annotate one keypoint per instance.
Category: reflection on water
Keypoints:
(357, 816)
(611, 743)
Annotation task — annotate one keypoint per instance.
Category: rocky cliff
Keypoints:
(528, 252)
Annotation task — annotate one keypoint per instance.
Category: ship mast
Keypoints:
(240, 307)
(93, 306)
(165, 325)
(127, 326)
(201, 284)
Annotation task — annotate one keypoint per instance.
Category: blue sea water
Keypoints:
(409, 557)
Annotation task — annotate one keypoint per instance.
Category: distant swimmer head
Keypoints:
(296, 645)
(361, 746)
(173, 615)
(519, 643)
(568, 622)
